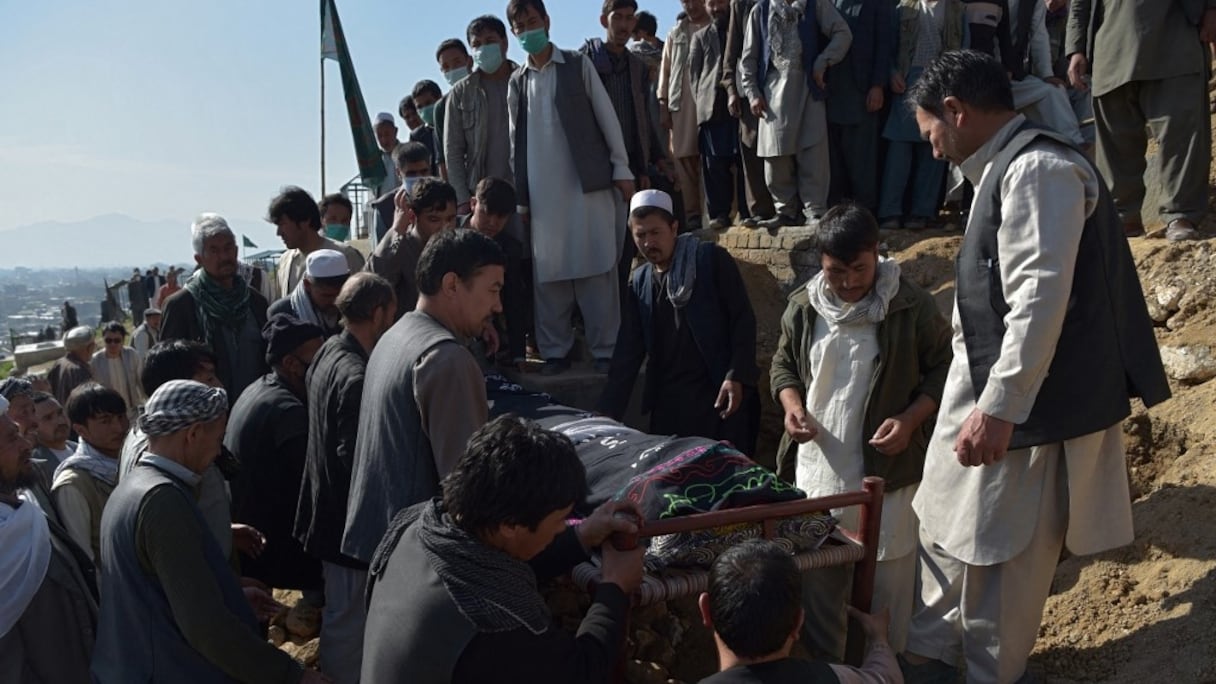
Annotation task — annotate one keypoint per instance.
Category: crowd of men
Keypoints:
(338, 441)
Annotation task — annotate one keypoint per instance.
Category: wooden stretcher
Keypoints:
(856, 547)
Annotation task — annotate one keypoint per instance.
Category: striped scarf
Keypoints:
(217, 306)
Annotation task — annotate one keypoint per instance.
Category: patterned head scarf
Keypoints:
(178, 404)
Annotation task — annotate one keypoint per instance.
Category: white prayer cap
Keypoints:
(78, 338)
(384, 117)
(327, 263)
(651, 198)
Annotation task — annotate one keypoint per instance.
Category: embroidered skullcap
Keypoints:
(384, 117)
(151, 311)
(327, 263)
(178, 404)
(284, 334)
(12, 388)
(650, 198)
(77, 338)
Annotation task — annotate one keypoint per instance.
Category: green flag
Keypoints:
(333, 46)
(247, 242)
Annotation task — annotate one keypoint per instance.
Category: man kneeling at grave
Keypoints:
(453, 591)
(754, 607)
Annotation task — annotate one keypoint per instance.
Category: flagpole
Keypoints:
(322, 126)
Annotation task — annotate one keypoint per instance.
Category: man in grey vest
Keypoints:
(423, 392)
(1150, 68)
(453, 586)
(571, 172)
(183, 616)
(1051, 340)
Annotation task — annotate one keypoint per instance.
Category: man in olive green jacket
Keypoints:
(859, 371)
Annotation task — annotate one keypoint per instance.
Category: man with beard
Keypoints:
(688, 313)
(20, 396)
(313, 299)
(183, 616)
(75, 368)
(268, 434)
(51, 430)
(1027, 454)
(48, 591)
(218, 308)
(335, 393)
(424, 393)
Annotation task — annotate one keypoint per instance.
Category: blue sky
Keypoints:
(161, 109)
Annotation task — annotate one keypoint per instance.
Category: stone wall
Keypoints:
(789, 255)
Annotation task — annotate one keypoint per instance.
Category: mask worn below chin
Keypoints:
(534, 42)
(455, 75)
(427, 114)
(488, 58)
(337, 231)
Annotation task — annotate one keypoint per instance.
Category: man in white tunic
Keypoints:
(859, 372)
(571, 172)
(1051, 339)
(782, 71)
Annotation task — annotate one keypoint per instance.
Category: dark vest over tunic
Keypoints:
(1106, 352)
(394, 463)
(414, 632)
(138, 637)
(592, 157)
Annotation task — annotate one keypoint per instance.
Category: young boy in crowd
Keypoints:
(85, 480)
(859, 371)
(336, 213)
(419, 213)
(753, 606)
(492, 206)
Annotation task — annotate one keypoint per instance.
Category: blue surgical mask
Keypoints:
(455, 75)
(488, 58)
(427, 114)
(337, 231)
(535, 41)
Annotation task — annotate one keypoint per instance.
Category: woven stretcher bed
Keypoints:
(843, 547)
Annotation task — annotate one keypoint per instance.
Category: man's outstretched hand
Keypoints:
(605, 521)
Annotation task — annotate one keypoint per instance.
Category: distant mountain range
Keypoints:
(112, 240)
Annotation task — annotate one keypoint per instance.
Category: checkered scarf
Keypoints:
(178, 404)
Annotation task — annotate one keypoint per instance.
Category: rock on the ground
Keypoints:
(305, 652)
(1191, 364)
(304, 621)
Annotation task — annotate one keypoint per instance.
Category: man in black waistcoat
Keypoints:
(1051, 340)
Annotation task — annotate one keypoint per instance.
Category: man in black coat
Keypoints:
(335, 392)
